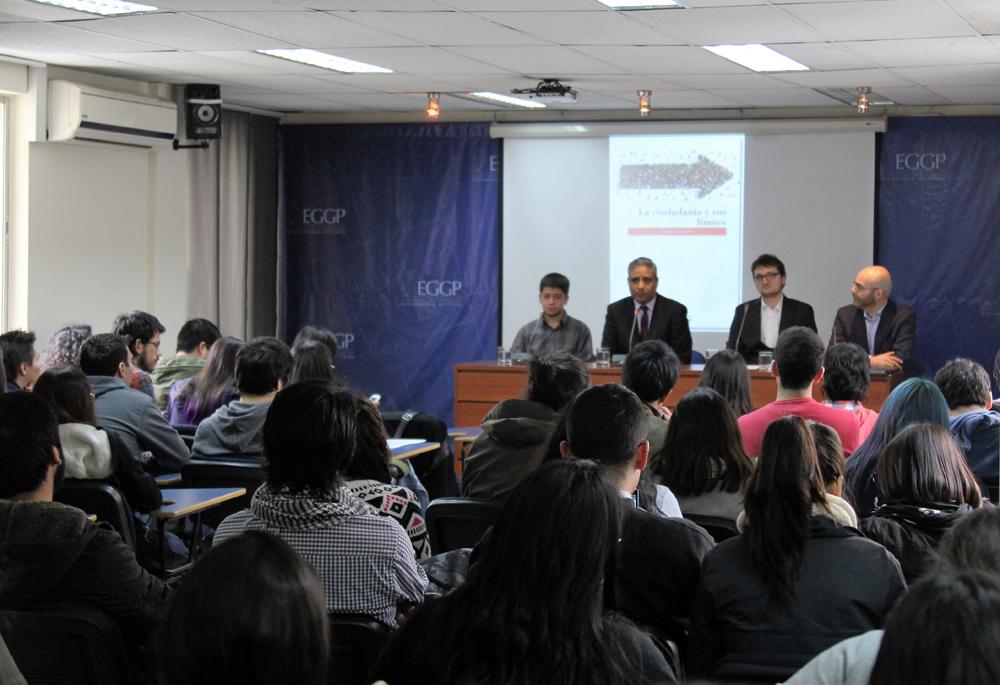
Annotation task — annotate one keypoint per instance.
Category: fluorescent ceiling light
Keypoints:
(505, 99)
(325, 61)
(756, 57)
(641, 4)
(105, 8)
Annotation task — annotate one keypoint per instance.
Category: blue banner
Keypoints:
(390, 237)
(938, 215)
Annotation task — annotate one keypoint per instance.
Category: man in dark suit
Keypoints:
(757, 323)
(645, 315)
(885, 328)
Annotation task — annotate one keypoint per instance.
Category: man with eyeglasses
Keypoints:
(885, 328)
(757, 323)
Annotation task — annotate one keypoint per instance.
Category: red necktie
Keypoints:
(644, 323)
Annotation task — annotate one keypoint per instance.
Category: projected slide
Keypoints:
(678, 199)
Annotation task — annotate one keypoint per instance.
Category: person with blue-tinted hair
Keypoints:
(916, 400)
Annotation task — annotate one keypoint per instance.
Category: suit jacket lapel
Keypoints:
(884, 324)
(751, 329)
(859, 332)
(658, 322)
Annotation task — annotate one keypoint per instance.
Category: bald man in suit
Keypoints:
(885, 328)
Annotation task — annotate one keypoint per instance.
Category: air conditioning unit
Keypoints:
(81, 112)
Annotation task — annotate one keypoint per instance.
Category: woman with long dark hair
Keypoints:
(796, 581)
(916, 400)
(532, 609)
(926, 487)
(191, 401)
(702, 461)
(726, 372)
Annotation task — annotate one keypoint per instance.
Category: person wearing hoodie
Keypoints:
(966, 388)
(129, 414)
(194, 340)
(926, 487)
(89, 452)
(51, 553)
(516, 432)
(235, 431)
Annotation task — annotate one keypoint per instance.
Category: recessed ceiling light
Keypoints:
(642, 4)
(105, 8)
(325, 61)
(757, 57)
(505, 99)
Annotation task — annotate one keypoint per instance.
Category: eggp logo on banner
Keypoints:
(322, 220)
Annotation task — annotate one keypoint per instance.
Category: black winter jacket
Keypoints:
(912, 532)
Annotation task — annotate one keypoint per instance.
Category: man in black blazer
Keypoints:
(757, 323)
(645, 315)
(885, 328)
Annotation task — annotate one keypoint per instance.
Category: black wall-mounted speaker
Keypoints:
(203, 111)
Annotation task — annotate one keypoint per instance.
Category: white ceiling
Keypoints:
(914, 52)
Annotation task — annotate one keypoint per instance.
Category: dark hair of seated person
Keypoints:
(251, 611)
(829, 454)
(319, 334)
(846, 373)
(260, 364)
(218, 375)
(101, 354)
(946, 629)
(650, 370)
(778, 504)
(312, 362)
(309, 437)
(532, 607)
(726, 372)
(67, 391)
(371, 452)
(556, 379)
(704, 449)
(972, 542)
(924, 465)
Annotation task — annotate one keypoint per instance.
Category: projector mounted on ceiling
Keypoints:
(549, 91)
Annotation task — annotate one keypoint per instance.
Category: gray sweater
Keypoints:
(234, 430)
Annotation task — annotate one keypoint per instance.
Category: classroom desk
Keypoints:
(404, 449)
(181, 502)
(480, 385)
(165, 480)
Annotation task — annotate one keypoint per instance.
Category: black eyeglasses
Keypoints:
(770, 275)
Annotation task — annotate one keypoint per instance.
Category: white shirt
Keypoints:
(770, 322)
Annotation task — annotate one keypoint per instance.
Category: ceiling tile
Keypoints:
(824, 56)
(777, 97)
(289, 103)
(540, 61)
(33, 10)
(719, 81)
(690, 99)
(193, 63)
(581, 28)
(179, 32)
(422, 61)
(736, 25)
(316, 30)
(983, 16)
(908, 96)
(880, 19)
(967, 95)
(848, 78)
(957, 75)
(442, 28)
(927, 51)
(522, 5)
(62, 38)
(656, 59)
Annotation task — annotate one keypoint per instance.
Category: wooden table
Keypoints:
(480, 385)
(182, 502)
(165, 480)
(411, 449)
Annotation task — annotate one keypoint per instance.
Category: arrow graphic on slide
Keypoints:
(704, 175)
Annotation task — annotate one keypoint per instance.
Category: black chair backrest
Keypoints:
(735, 670)
(719, 527)
(214, 473)
(102, 500)
(434, 469)
(67, 646)
(457, 522)
(355, 643)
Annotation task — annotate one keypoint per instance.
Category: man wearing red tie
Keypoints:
(645, 315)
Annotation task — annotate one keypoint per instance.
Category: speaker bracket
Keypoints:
(203, 145)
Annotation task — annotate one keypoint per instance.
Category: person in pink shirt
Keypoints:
(845, 384)
(797, 366)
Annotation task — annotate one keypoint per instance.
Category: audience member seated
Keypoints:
(129, 414)
(194, 340)
(796, 581)
(915, 400)
(369, 479)
(702, 461)
(846, 381)
(532, 610)
(659, 559)
(321, 335)
(20, 360)
(966, 388)
(726, 373)
(64, 346)
(972, 544)
(193, 400)
(945, 630)
(250, 613)
(312, 361)
(51, 553)
(830, 457)
(365, 560)
(926, 487)
(141, 331)
(235, 429)
(516, 432)
(89, 452)
(797, 366)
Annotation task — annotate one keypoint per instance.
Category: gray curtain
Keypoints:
(233, 258)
